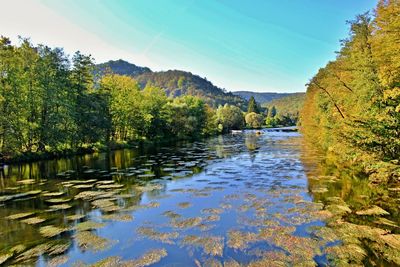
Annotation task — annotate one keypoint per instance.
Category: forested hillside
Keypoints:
(174, 82)
(287, 108)
(120, 67)
(352, 106)
(260, 97)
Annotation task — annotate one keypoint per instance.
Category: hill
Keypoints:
(120, 67)
(287, 106)
(260, 97)
(174, 82)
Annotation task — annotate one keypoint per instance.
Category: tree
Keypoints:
(229, 118)
(186, 117)
(254, 120)
(123, 114)
(272, 112)
(252, 106)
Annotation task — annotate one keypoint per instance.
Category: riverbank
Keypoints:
(27, 157)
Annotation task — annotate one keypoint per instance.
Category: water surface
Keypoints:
(233, 200)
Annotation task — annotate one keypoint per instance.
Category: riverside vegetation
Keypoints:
(352, 106)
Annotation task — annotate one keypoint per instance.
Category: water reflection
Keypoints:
(234, 199)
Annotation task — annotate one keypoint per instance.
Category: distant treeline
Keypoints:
(50, 103)
(352, 107)
(287, 109)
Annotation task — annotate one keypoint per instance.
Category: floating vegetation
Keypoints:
(215, 211)
(59, 247)
(53, 194)
(75, 217)
(110, 186)
(83, 186)
(57, 261)
(149, 187)
(50, 230)
(324, 233)
(26, 181)
(149, 258)
(105, 182)
(339, 209)
(273, 258)
(59, 207)
(184, 205)
(153, 204)
(34, 220)
(19, 215)
(106, 205)
(212, 218)
(89, 195)
(171, 214)
(88, 225)
(241, 240)
(58, 200)
(374, 210)
(5, 257)
(187, 223)
(88, 241)
(51, 248)
(159, 236)
(20, 195)
(118, 217)
(387, 222)
(212, 245)
(346, 255)
(34, 252)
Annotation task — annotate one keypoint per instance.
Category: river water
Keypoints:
(235, 200)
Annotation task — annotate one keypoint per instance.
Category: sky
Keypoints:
(254, 45)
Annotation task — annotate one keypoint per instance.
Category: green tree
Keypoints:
(252, 106)
(123, 114)
(254, 120)
(229, 118)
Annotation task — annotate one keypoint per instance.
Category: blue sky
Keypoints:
(258, 45)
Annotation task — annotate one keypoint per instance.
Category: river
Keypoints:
(235, 200)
